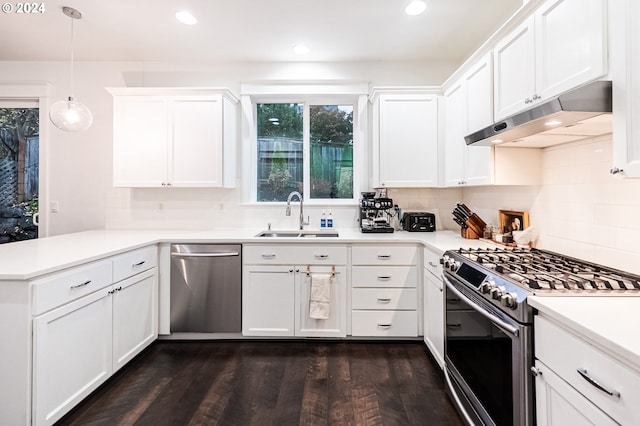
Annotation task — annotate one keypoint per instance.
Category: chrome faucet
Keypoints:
(288, 212)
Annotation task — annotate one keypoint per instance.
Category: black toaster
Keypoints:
(419, 222)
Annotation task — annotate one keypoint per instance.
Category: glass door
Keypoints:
(19, 170)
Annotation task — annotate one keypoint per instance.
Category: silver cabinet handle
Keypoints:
(536, 371)
(322, 256)
(139, 263)
(597, 384)
(381, 325)
(81, 284)
(384, 299)
(220, 254)
(268, 255)
(384, 256)
(433, 265)
(384, 277)
(615, 170)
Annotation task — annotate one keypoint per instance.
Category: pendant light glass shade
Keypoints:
(71, 115)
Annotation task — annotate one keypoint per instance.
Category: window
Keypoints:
(289, 132)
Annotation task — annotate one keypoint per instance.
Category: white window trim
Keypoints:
(355, 94)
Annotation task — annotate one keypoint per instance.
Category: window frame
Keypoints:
(348, 94)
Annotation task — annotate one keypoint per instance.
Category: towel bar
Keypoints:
(333, 271)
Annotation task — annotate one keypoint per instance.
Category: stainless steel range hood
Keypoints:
(577, 114)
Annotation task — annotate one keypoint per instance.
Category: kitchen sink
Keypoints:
(297, 234)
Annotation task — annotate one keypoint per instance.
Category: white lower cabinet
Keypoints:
(71, 355)
(78, 346)
(276, 283)
(557, 403)
(384, 291)
(433, 305)
(135, 317)
(579, 383)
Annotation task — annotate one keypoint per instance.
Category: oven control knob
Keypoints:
(445, 261)
(509, 300)
(498, 291)
(487, 286)
(454, 265)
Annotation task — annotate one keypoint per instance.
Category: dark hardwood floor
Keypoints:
(273, 383)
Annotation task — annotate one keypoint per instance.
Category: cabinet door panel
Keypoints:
(135, 319)
(336, 325)
(71, 355)
(434, 317)
(196, 150)
(514, 69)
(140, 141)
(570, 44)
(557, 403)
(408, 141)
(454, 145)
(268, 298)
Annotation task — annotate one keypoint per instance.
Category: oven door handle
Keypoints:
(494, 319)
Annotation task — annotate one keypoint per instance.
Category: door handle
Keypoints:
(221, 254)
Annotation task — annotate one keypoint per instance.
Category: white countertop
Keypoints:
(608, 322)
(27, 259)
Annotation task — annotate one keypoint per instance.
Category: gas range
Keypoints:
(505, 277)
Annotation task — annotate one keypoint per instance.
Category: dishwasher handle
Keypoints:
(219, 254)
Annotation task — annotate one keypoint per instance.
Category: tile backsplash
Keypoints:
(580, 210)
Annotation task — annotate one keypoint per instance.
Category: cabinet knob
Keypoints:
(536, 371)
(536, 97)
(527, 101)
(615, 171)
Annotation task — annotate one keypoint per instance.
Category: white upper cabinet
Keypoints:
(562, 46)
(625, 68)
(468, 107)
(178, 138)
(405, 139)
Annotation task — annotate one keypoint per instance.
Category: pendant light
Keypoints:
(71, 115)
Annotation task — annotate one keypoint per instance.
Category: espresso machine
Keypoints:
(376, 213)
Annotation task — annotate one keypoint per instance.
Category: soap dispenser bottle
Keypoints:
(330, 220)
(323, 220)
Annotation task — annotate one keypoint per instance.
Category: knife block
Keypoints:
(475, 228)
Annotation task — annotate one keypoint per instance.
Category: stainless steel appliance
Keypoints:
(206, 288)
(581, 112)
(376, 213)
(419, 222)
(489, 324)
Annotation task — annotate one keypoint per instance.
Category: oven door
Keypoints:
(487, 359)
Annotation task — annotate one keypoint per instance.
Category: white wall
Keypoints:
(80, 164)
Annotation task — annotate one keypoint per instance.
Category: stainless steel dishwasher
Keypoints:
(206, 288)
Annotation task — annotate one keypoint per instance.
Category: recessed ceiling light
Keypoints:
(553, 123)
(301, 49)
(416, 7)
(186, 18)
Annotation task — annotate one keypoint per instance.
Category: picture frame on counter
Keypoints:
(512, 220)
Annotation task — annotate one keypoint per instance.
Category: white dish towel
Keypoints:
(320, 296)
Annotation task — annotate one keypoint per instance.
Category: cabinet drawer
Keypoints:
(384, 323)
(432, 262)
(565, 353)
(388, 276)
(300, 254)
(63, 287)
(134, 262)
(384, 255)
(384, 298)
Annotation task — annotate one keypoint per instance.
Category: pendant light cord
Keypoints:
(72, 19)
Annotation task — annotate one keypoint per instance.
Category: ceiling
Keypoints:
(254, 30)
